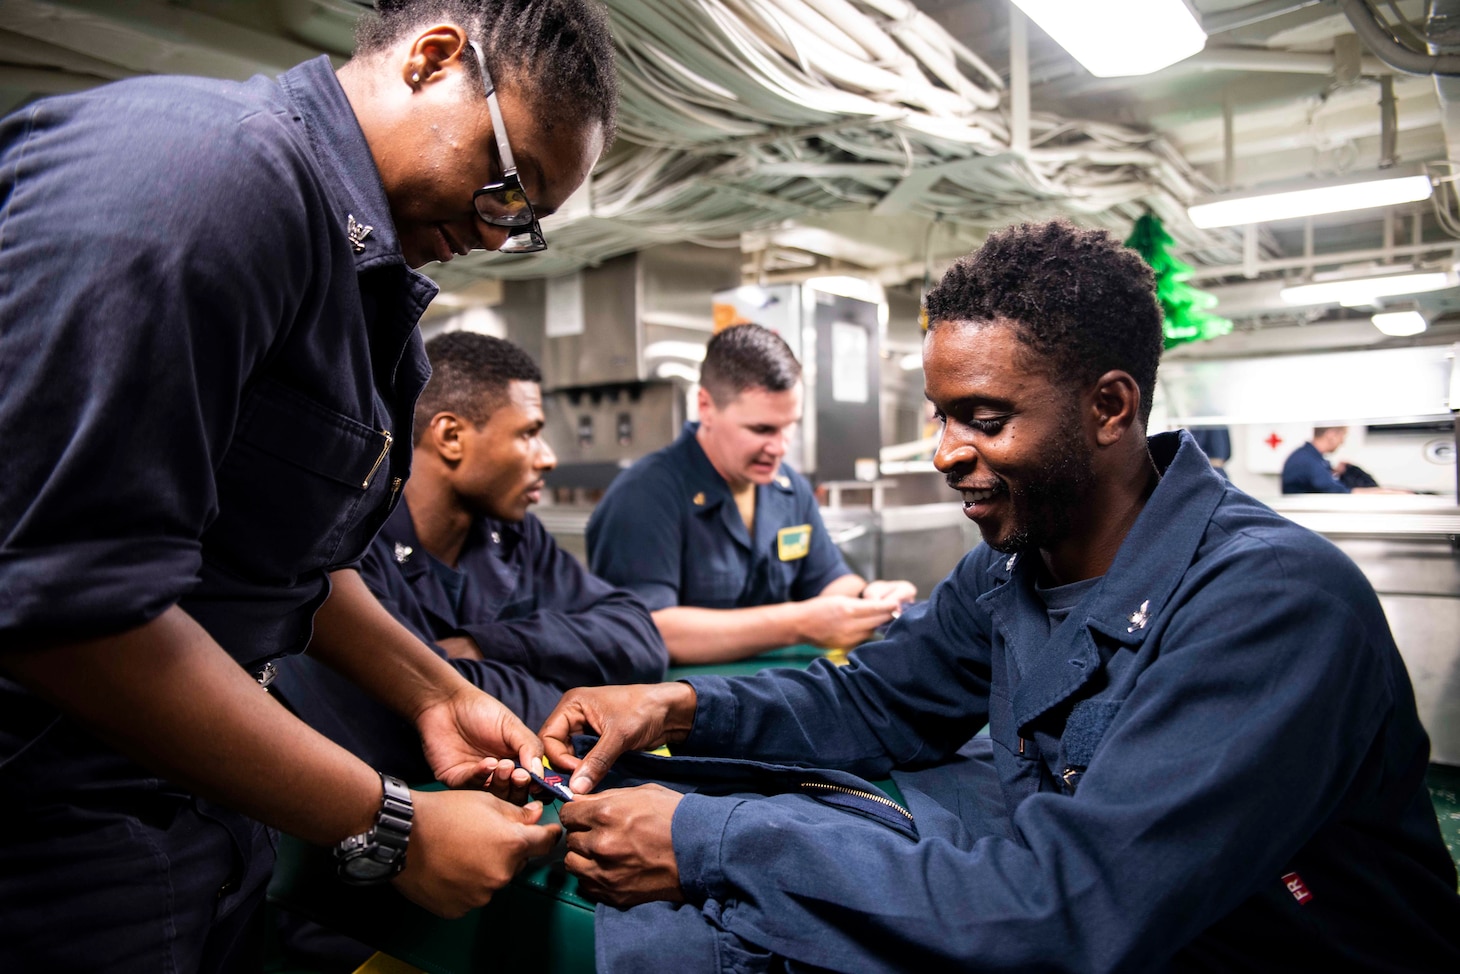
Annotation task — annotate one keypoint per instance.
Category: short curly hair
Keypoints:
(559, 51)
(1080, 299)
(470, 373)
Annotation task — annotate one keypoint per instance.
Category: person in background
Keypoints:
(208, 359)
(473, 574)
(1203, 750)
(724, 541)
(469, 570)
(1307, 472)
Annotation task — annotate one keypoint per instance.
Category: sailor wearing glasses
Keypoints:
(208, 366)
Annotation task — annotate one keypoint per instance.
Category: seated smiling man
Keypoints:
(463, 565)
(1205, 751)
(724, 541)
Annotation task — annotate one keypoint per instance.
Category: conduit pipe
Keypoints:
(1378, 39)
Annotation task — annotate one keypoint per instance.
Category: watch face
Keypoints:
(364, 869)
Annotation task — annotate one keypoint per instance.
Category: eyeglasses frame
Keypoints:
(531, 230)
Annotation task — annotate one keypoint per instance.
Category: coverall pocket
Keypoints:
(302, 470)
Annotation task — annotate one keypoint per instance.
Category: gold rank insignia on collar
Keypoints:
(357, 232)
(699, 499)
(402, 553)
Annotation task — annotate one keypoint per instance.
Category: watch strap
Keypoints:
(383, 847)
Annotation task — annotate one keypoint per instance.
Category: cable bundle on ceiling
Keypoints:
(740, 114)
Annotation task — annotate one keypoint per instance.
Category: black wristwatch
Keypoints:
(375, 856)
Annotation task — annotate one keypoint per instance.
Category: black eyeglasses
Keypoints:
(504, 203)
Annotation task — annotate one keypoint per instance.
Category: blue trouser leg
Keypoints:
(105, 868)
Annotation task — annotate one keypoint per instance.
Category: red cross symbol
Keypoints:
(1273, 440)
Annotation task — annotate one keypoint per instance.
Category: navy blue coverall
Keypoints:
(668, 530)
(1214, 763)
(544, 624)
(206, 390)
(1306, 472)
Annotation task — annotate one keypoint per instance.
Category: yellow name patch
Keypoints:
(794, 542)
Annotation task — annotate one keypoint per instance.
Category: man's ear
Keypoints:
(1116, 403)
(431, 52)
(705, 403)
(443, 434)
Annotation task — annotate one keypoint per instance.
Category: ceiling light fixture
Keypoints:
(1386, 188)
(1119, 38)
(1400, 324)
(1357, 292)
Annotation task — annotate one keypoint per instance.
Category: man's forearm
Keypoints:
(355, 635)
(694, 635)
(850, 585)
(169, 697)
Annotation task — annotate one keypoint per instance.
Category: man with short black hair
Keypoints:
(720, 538)
(1203, 749)
(208, 362)
(465, 567)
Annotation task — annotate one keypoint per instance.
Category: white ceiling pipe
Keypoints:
(1264, 59)
(1214, 272)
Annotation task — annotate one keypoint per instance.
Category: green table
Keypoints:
(800, 656)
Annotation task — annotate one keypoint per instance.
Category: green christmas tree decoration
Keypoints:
(1183, 306)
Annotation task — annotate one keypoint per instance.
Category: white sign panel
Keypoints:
(848, 362)
(564, 306)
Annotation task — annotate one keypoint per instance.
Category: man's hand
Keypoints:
(844, 621)
(897, 590)
(465, 846)
(620, 846)
(626, 718)
(464, 737)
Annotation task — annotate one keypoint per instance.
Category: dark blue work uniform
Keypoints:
(1306, 472)
(668, 530)
(543, 623)
(206, 388)
(1213, 763)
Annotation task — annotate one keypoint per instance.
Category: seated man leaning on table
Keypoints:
(1204, 747)
(463, 565)
(722, 540)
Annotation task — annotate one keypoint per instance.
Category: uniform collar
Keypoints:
(1163, 541)
(1149, 566)
(1160, 545)
(345, 161)
(399, 533)
(709, 494)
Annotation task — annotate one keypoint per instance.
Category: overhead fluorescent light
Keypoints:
(848, 287)
(1357, 292)
(1386, 188)
(1119, 38)
(1400, 323)
(910, 361)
